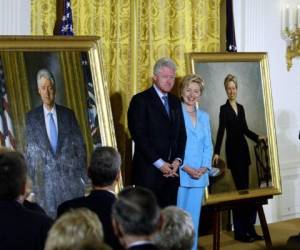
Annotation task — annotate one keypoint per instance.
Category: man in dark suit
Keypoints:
(104, 171)
(155, 121)
(55, 150)
(136, 218)
(20, 228)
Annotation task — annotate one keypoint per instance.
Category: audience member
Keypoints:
(72, 228)
(104, 171)
(89, 244)
(136, 218)
(28, 198)
(177, 232)
(20, 228)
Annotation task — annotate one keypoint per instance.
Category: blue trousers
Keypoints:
(190, 200)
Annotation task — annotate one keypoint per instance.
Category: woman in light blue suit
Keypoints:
(198, 151)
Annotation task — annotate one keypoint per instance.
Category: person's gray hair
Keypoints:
(177, 232)
(136, 211)
(44, 73)
(163, 62)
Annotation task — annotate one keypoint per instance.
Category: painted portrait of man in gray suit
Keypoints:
(55, 150)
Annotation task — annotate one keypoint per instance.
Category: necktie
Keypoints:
(53, 132)
(166, 104)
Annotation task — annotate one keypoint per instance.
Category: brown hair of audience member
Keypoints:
(13, 173)
(72, 228)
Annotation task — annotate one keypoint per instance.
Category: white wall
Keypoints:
(258, 29)
(14, 17)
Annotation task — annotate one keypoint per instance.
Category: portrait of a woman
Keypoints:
(232, 118)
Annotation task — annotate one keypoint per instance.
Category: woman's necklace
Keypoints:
(193, 111)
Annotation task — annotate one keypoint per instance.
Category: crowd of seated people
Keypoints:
(100, 221)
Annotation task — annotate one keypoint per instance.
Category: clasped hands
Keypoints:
(195, 173)
(170, 169)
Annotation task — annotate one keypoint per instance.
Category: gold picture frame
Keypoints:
(22, 56)
(254, 93)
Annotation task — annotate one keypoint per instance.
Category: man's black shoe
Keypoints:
(244, 238)
(257, 236)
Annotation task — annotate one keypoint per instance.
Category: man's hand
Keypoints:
(175, 165)
(166, 168)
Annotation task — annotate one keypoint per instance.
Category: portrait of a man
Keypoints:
(54, 148)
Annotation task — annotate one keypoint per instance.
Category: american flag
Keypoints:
(66, 24)
(66, 28)
(230, 30)
(7, 137)
(91, 102)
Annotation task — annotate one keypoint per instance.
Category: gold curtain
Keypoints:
(135, 33)
(17, 92)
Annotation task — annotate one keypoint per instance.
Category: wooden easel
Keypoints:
(217, 208)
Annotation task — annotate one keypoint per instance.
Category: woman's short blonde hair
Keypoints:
(230, 78)
(72, 228)
(192, 78)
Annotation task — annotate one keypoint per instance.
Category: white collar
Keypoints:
(159, 92)
(46, 111)
(139, 242)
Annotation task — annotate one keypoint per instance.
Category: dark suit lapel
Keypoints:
(60, 125)
(173, 109)
(44, 139)
(158, 103)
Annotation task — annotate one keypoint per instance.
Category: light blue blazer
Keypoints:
(198, 149)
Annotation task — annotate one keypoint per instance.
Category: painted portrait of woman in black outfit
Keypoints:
(232, 119)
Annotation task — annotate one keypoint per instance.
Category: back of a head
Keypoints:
(136, 211)
(12, 175)
(72, 228)
(104, 166)
(177, 232)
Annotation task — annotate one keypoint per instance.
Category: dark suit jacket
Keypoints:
(56, 177)
(33, 206)
(155, 134)
(147, 246)
(22, 229)
(100, 202)
(237, 151)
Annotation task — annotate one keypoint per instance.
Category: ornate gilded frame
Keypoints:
(254, 93)
(13, 52)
